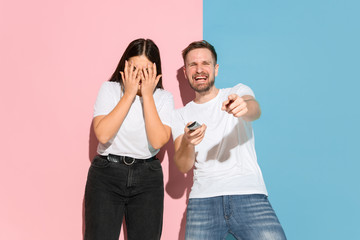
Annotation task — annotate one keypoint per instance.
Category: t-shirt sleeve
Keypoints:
(178, 124)
(104, 103)
(242, 90)
(167, 109)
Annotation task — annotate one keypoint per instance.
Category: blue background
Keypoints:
(301, 58)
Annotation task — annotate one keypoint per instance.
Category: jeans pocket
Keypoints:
(99, 162)
(155, 165)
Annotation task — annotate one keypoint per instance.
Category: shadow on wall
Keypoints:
(93, 143)
(178, 183)
(186, 92)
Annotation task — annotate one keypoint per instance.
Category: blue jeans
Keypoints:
(246, 217)
(114, 190)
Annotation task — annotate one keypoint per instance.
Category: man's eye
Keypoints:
(134, 69)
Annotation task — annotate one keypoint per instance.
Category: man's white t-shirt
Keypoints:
(131, 139)
(226, 162)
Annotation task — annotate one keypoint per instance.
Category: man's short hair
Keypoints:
(199, 44)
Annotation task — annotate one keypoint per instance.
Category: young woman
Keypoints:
(132, 116)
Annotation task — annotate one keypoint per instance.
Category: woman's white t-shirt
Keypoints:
(131, 139)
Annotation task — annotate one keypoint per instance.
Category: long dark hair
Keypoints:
(138, 47)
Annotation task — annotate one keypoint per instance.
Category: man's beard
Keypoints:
(203, 87)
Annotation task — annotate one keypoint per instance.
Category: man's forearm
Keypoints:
(184, 154)
(254, 111)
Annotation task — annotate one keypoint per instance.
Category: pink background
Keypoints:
(54, 55)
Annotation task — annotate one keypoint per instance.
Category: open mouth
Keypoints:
(200, 77)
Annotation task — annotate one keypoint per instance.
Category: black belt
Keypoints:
(126, 160)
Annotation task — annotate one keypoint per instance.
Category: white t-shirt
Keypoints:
(226, 162)
(131, 139)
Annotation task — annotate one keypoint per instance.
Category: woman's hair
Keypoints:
(138, 47)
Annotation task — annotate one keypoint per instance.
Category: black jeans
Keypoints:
(114, 190)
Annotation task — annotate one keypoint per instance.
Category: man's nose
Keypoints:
(199, 68)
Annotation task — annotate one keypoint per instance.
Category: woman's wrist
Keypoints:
(147, 94)
(129, 96)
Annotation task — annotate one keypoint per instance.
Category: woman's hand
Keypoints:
(149, 80)
(131, 79)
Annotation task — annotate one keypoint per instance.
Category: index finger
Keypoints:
(198, 131)
(126, 69)
(225, 104)
(233, 97)
(150, 70)
(145, 72)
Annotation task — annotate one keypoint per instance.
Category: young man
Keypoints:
(228, 194)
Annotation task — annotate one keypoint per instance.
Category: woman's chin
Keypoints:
(139, 92)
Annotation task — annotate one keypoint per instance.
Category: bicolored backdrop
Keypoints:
(301, 58)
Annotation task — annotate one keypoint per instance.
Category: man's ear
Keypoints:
(216, 69)
(184, 71)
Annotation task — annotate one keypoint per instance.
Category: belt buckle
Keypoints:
(128, 164)
(112, 159)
